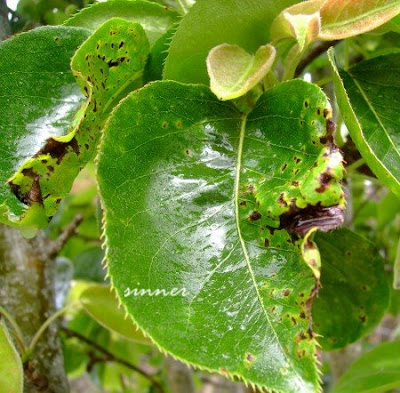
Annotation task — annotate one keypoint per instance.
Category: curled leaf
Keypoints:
(233, 71)
(108, 64)
(300, 22)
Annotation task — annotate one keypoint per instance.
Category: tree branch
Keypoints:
(317, 51)
(69, 231)
(111, 357)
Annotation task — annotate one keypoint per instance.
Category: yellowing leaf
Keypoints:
(233, 71)
(344, 18)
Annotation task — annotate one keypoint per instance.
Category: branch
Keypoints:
(112, 357)
(318, 50)
(69, 231)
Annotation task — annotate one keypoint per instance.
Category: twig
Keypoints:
(16, 329)
(112, 357)
(69, 231)
(45, 325)
(313, 54)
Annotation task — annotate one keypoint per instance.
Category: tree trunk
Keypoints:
(4, 24)
(27, 292)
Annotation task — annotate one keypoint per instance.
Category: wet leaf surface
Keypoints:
(38, 97)
(197, 198)
(107, 66)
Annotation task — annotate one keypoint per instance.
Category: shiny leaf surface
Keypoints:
(197, 198)
(108, 65)
(354, 293)
(154, 18)
(238, 23)
(376, 371)
(38, 97)
(369, 98)
(11, 374)
(233, 71)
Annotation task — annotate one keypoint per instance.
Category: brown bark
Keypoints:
(27, 293)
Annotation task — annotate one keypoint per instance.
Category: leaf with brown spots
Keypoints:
(209, 223)
(107, 66)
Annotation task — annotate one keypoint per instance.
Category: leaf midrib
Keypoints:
(371, 107)
(336, 24)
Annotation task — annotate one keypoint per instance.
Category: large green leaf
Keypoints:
(354, 293)
(377, 371)
(368, 97)
(196, 199)
(101, 304)
(109, 64)
(11, 374)
(38, 97)
(154, 18)
(213, 22)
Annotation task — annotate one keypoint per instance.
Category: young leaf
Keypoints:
(342, 18)
(300, 22)
(109, 64)
(11, 374)
(367, 98)
(376, 371)
(39, 98)
(354, 293)
(154, 18)
(245, 25)
(101, 304)
(233, 71)
(199, 201)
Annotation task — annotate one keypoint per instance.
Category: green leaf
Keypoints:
(154, 18)
(11, 374)
(355, 292)
(367, 98)
(342, 18)
(396, 269)
(246, 25)
(376, 371)
(102, 305)
(155, 64)
(233, 71)
(197, 249)
(38, 97)
(108, 65)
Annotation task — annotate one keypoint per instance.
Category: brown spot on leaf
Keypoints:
(254, 215)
